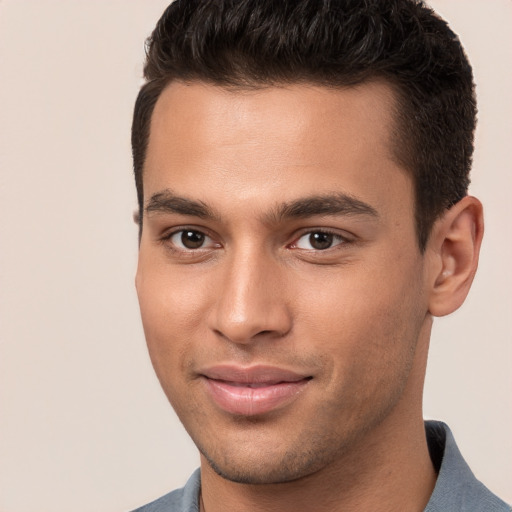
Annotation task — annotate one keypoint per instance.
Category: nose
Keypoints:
(251, 300)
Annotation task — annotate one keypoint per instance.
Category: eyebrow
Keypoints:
(316, 205)
(168, 202)
(330, 204)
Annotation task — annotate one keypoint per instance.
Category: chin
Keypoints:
(257, 476)
(264, 468)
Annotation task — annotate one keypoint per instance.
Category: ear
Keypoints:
(454, 247)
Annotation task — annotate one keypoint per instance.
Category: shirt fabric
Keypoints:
(456, 489)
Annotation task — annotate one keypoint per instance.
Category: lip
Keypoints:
(253, 390)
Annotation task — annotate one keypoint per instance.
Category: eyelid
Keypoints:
(343, 239)
(166, 238)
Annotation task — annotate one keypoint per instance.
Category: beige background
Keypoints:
(83, 423)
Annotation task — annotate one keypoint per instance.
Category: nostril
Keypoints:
(263, 333)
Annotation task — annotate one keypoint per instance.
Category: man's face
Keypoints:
(280, 282)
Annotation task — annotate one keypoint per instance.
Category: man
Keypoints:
(302, 172)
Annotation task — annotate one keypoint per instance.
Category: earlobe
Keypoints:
(454, 248)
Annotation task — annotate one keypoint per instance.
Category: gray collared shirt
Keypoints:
(456, 490)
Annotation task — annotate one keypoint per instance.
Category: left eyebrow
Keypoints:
(331, 204)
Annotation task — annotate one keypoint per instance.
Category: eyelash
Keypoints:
(167, 240)
(341, 239)
(337, 237)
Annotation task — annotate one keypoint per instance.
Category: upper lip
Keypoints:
(259, 374)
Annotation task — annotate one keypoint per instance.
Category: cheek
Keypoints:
(169, 297)
(171, 306)
(170, 318)
(367, 322)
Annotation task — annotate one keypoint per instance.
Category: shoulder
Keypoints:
(457, 488)
(185, 499)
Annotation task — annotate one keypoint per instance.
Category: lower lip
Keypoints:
(246, 401)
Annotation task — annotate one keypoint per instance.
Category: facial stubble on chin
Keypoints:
(290, 466)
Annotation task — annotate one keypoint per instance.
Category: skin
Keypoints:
(355, 317)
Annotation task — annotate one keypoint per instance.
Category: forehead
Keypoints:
(273, 141)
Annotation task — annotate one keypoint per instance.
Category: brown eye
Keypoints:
(321, 241)
(192, 239)
(189, 239)
(318, 241)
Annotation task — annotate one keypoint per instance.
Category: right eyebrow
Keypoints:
(168, 202)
